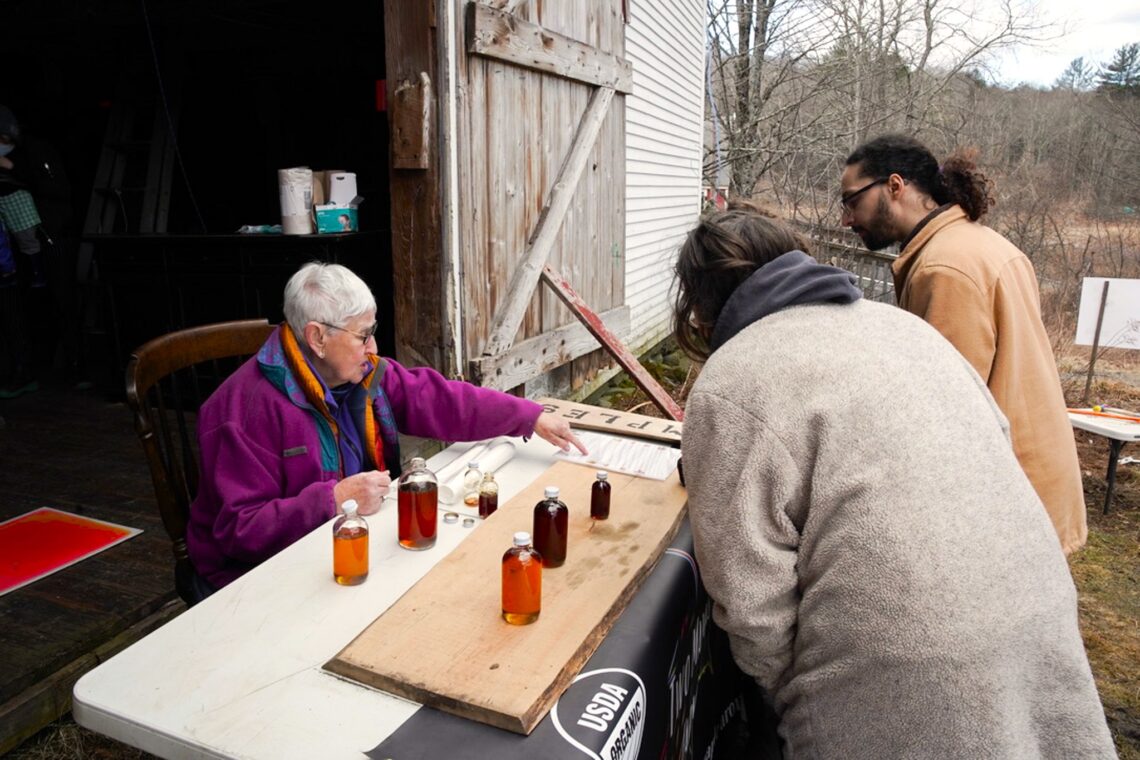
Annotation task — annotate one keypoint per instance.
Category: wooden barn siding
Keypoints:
(519, 125)
(664, 116)
(409, 39)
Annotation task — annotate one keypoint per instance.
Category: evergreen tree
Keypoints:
(1079, 76)
(1122, 75)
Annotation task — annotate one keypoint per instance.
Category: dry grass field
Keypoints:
(1107, 570)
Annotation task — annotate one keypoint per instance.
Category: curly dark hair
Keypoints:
(720, 253)
(956, 181)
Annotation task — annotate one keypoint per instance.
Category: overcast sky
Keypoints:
(1096, 29)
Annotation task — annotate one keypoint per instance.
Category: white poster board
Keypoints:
(1121, 325)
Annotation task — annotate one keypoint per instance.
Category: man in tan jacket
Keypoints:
(980, 292)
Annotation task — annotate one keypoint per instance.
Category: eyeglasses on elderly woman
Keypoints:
(370, 331)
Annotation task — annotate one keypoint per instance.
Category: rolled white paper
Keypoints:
(491, 455)
(450, 476)
(499, 455)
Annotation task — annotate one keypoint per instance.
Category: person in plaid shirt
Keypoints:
(29, 179)
(18, 211)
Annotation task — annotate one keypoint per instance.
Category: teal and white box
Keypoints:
(335, 218)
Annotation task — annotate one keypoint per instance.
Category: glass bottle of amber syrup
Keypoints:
(522, 581)
(350, 546)
(600, 497)
(550, 526)
(417, 506)
(471, 480)
(488, 495)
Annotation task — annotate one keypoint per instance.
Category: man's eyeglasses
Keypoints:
(848, 201)
(364, 336)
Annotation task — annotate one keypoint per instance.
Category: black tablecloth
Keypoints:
(661, 685)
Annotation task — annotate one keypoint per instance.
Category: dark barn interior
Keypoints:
(171, 120)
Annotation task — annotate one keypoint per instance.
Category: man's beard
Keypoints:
(877, 235)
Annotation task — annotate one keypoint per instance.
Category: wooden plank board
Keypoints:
(498, 34)
(445, 644)
(532, 357)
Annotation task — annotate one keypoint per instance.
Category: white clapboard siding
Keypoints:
(665, 42)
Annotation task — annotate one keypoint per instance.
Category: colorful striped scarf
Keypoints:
(314, 392)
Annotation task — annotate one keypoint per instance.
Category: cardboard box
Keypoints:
(334, 218)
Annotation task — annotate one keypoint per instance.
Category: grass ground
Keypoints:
(1106, 571)
(1107, 574)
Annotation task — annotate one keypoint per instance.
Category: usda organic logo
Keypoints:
(603, 714)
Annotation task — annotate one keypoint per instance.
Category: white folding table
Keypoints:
(240, 674)
(1117, 431)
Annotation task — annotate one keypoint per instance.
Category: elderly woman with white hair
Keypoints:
(312, 421)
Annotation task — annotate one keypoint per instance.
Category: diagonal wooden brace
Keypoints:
(612, 344)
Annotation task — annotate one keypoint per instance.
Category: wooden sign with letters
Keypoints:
(604, 420)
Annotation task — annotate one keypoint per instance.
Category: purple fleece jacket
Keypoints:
(262, 485)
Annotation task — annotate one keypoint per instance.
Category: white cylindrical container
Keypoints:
(342, 188)
(296, 185)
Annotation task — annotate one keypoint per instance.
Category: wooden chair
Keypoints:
(168, 378)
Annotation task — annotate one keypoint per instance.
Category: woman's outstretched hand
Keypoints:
(557, 430)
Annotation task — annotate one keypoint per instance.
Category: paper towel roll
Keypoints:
(342, 188)
(296, 186)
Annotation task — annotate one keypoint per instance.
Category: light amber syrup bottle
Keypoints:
(350, 546)
(522, 582)
(417, 506)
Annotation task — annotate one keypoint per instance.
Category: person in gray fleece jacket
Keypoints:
(880, 562)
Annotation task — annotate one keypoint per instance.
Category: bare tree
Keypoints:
(798, 82)
(758, 49)
(795, 84)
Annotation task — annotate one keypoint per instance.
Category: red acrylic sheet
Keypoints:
(44, 540)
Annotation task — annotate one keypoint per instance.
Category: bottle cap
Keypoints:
(552, 492)
(522, 538)
(602, 474)
(350, 506)
(417, 463)
(473, 464)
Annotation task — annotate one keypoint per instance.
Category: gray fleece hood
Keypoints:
(791, 279)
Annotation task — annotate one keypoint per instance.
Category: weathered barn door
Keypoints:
(539, 179)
